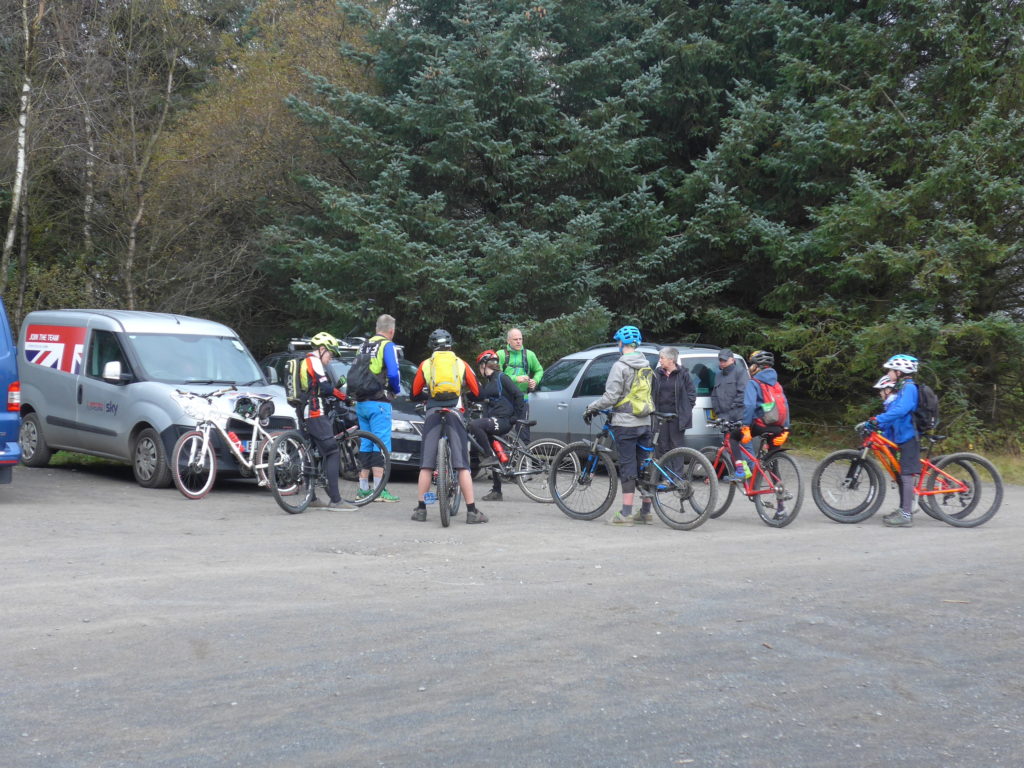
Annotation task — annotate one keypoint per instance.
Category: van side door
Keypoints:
(103, 405)
(49, 366)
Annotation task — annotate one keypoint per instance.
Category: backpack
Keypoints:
(446, 373)
(774, 406)
(363, 383)
(926, 415)
(639, 396)
(298, 374)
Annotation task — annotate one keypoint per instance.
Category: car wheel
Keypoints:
(34, 451)
(149, 460)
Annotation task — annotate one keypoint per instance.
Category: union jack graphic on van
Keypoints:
(55, 346)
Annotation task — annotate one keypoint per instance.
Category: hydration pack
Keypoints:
(774, 406)
(363, 382)
(926, 416)
(444, 379)
(639, 397)
(297, 378)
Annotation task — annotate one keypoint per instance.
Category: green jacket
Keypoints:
(520, 362)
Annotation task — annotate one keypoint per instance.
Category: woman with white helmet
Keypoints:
(897, 424)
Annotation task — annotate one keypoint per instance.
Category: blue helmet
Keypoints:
(628, 334)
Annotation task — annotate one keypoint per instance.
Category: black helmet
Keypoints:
(763, 359)
(245, 407)
(440, 339)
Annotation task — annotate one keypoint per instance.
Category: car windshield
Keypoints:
(178, 358)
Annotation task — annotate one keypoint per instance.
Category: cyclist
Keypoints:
(317, 419)
(763, 380)
(631, 431)
(727, 394)
(433, 385)
(897, 424)
(523, 368)
(503, 403)
(375, 412)
(886, 389)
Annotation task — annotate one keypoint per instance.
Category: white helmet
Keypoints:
(885, 383)
(901, 363)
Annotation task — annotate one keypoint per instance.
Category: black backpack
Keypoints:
(926, 416)
(363, 384)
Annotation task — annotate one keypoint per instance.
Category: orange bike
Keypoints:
(772, 483)
(962, 489)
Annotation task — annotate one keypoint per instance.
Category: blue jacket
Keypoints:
(897, 421)
(752, 398)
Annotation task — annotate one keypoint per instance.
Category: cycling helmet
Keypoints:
(245, 407)
(628, 334)
(487, 356)
(762, 359)
(265, 411)
(440, 339)
(885, 383)
(326, 340)
(901, 363)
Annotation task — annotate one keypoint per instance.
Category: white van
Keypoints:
(99, 381)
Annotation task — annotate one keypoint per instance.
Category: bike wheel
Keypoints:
(685, 491)
(193, 465)
(722, 472)
(349, 445)
(291, 472)
(779, 509)
(972, 493)
(448, 494)
(582, 482)
(533, 466)
(846, 487)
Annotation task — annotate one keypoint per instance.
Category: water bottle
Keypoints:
(235, 441)
(742, 471)
(499, 451)
(429, 497)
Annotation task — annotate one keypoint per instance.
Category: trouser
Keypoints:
(671, 436)
(910, 468)
(322, 433)
(633, 445)
(374, 417)
(483, 430)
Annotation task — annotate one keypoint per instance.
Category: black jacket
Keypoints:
(684, 394)
(501, 398)
(727, 396)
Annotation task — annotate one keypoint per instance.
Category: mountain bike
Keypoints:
(194, 459)
(961, 489)
(772, 483)
(584, 479)
(528, 465)
(295, 466)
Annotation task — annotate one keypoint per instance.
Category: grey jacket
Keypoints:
(620, 379)
(727, 396)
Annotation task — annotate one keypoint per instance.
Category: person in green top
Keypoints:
(520, 365)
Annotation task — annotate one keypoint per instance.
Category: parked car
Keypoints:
(575, 381)
(99, 381)
(10, 419)
(406, 423)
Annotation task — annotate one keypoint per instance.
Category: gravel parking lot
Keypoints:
(142, 629)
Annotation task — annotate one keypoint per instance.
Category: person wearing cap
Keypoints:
(503, 403)
(727, 394)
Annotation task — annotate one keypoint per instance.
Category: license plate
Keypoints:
(401, 456)
(244, 446)
(709, 414)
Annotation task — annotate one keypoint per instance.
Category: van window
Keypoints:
(596, 376)
(189, 358)
(703, 371)
(104, 348)
(560, 375)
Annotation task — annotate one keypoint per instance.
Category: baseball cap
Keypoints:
(725, 354)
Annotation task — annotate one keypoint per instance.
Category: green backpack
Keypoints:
(640, 397)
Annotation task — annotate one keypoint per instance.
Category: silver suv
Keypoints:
(576, 380)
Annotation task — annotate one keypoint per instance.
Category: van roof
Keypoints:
(132, 321)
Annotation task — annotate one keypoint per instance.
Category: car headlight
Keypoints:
(402, 426)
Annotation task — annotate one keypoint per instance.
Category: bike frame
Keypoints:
(246, 456)
(748, 484)
(882, 448)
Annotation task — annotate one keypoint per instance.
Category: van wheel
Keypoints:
(149, 460)
(34, 451)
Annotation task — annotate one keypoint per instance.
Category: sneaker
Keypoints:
(780, 515)
(361, 494)
(619, 519)
(897, 520)
(475, 517)
(490, 461)
(639, 518)
(332, 506)
(419, 515)
(387, 497)
(492, 496)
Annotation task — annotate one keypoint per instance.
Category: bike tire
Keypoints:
(979, 502)
(349, 444)
(684, 499)
(723, 472)
(533, 466)
(779, 509)
(292, 472)
(193, 465)
(448, 494)
(846, 487)
(583, 482)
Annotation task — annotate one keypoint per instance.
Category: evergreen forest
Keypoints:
(835, 181)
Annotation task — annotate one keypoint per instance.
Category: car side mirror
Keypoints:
(112, 372)
(271, 373)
